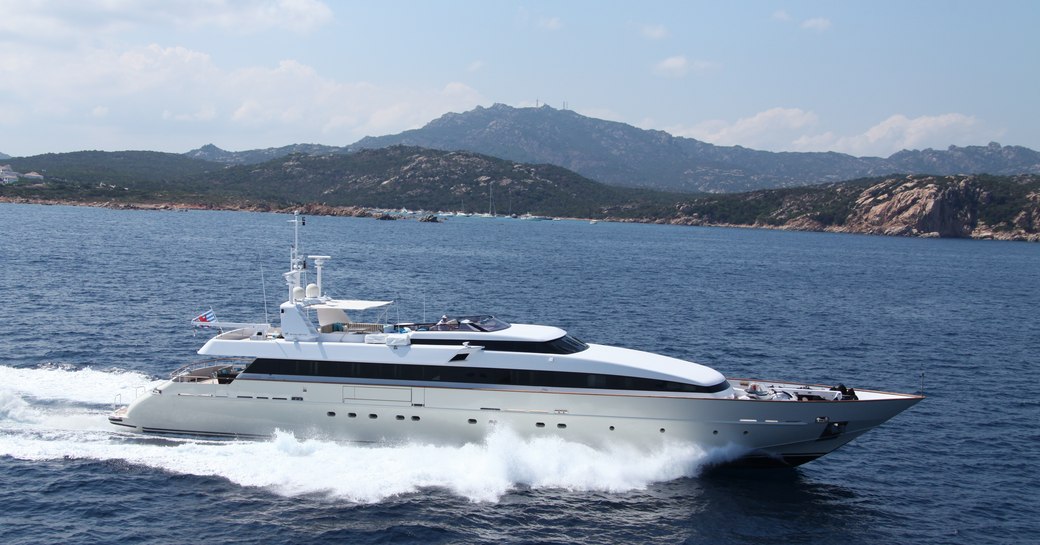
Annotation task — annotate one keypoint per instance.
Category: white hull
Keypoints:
(322, 374)
(761, 432)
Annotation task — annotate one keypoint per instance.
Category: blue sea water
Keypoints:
(96, 304)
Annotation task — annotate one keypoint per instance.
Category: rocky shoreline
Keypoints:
(915, 206)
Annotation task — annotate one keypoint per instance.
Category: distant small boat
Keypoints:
(529, 217)
(593, 222)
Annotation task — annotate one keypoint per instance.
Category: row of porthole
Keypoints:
(561, 425)
(373, 416)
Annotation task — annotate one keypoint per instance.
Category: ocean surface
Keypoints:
(96, 305)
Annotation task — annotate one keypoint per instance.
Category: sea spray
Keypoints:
(368, 474)
(13, 408)
(83, 385)
(49, 426)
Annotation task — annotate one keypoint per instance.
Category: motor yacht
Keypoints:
(323, 373)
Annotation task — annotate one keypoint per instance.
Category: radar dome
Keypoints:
(297, 293)
(312, 290)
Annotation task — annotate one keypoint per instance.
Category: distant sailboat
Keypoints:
(491, 203)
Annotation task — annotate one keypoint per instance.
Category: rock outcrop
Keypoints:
(984, 207)
(918, 206)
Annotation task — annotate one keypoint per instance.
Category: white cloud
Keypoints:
(550, 23)
(674, 67)
(816, 23)
(176, 98)
(819, 24)
(899, 132)
(764, 130)
(654, 32)
(58, 21)
(257, 15)
(678, 66)
(794, 129)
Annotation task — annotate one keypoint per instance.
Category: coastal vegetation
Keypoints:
(979, 206)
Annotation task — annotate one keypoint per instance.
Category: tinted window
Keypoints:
(472, 375)
(564, 345)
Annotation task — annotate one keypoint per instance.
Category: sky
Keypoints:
(868, 78)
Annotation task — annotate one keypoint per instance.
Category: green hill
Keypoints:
(978, 206)
(417, 178)
(132, 169)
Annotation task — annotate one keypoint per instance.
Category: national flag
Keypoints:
(207, 317)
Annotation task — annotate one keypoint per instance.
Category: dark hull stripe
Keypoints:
(163, 431)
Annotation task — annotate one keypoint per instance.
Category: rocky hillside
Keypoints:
(113, 167)
(982, 206)
(394, 177)
(209, 152)
(417, 178)
(926, 206)
(620, 154)
(623, 155)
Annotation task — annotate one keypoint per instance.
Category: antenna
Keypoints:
(263, 288)
(296, 264)
(294, 253)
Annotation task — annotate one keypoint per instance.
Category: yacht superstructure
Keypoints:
(454, 380)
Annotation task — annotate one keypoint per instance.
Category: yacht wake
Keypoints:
(62, 416)
(71, 384)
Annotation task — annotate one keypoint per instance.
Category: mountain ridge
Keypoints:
(623, 155)
(975, 206)
(620, 154)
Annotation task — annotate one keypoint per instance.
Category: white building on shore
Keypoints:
(7, 176)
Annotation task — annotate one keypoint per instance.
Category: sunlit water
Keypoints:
(97, 301)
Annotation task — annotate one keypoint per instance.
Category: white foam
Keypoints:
(288, 466)
(33, 427)
(13, 407)
(79, 385)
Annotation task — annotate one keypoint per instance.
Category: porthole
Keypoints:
(472, 420)
(415, 419)
(539, 424)
(561, 426)
(715, 432)
(352, 415)
(373, 416)
(331, 413)
(400, 417)
(612, 428)
(745, 432)
(662, 430)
